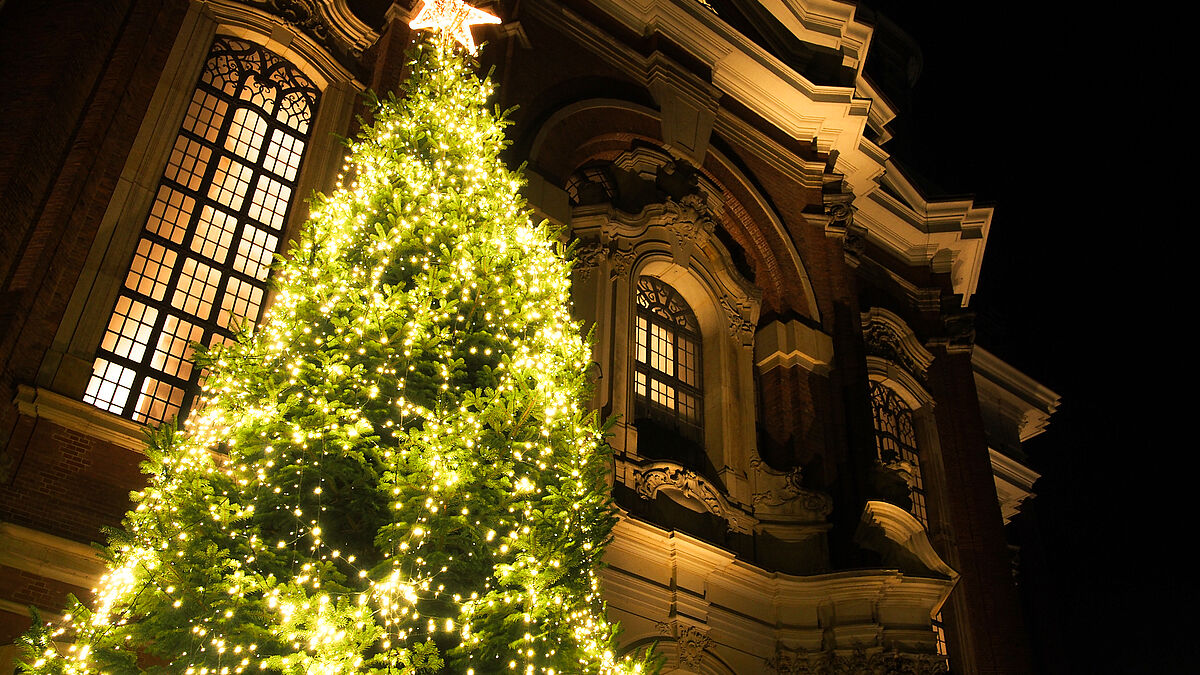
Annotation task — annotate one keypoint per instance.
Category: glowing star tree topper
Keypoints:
(452, 19)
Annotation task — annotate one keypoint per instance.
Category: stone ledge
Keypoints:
(81, 417)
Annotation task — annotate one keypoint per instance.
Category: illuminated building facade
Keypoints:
(814, 462)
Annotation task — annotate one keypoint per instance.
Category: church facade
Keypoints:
(813, 461)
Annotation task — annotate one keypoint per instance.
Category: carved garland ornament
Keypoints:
(690, 641)
(588, 257)
(691, 486)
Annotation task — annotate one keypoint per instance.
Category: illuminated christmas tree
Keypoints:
(395, 472)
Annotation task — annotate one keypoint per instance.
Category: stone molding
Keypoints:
(792, 343)
(1027, 402)
(1014, 483)
(656, 577)
(947, 237)
(49, 556)
(887, 336)
(689, 489)
(873, 660)
(901, 539)
(78, 416)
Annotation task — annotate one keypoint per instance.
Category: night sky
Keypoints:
(1010, 107)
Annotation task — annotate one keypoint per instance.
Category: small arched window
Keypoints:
(896, 440)
(667, 386)
(200, 266)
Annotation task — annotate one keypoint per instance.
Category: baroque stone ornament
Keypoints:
(622, 262)
(783, 488)
(689, 217)
(841, 215)
(692, 642)
(689, 224)
(960, 331)
(690, 487)
(740, 328)
(330, 23)
(887, 336)
(588, 257)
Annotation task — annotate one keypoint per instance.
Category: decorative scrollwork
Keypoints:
(740, 328)
(887, 336)
(622, 262)
(688, 220)
(780, 488)
(692, 642)
(330, 23)
(588, 257)
(691, 487)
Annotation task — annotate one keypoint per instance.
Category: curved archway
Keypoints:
(604, 129)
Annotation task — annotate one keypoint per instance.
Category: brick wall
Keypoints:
(984, 616)
(67, 483)
(78, 77)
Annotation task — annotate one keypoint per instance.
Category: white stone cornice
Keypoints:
(654, 577)
(831, 117)
(1027, 400)
(947, 236)
(881, 113)
(1014, 482)
(904, 538)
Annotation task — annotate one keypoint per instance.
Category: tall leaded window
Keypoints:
(667, 386)
(896, 440)
(201, 263)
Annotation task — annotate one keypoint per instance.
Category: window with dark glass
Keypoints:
(667, 387)
(896, 440)
(200, 266)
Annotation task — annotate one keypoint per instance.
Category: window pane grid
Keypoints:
(666, 355)
(896, 439)
(212, 232)
(170, 214)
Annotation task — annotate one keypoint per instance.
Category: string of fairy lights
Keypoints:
(395, 472)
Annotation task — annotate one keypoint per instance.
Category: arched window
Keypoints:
(667, 386)
(896, 441)
(202, 260)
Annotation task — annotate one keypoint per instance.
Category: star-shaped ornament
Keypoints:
(452, 18)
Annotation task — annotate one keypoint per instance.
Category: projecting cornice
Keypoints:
(828, 117)
(1019, 398)
(948, 236)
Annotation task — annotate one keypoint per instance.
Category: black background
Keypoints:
(1037, 109)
